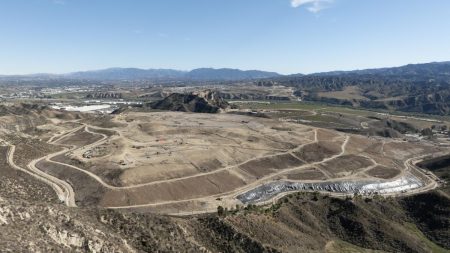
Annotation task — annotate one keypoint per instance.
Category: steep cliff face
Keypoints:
(202, 102)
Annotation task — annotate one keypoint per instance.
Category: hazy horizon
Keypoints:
(87, 70)
(284, 36)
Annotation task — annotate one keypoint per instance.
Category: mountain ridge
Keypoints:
(441, 69)
(220, 74)
(411, 69)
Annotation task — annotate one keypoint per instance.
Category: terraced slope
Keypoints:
(192, 163)
(32, 219)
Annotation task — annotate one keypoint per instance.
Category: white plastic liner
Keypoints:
(364, 187)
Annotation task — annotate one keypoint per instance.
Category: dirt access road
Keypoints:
(65, 191)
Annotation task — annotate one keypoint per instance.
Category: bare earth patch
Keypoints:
(383, 172)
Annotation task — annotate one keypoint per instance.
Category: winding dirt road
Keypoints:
(62, 188)
(99, 180)
(65, 191)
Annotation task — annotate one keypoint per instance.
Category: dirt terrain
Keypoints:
(193, 163)
(54, 187)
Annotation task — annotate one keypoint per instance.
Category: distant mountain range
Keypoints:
(228, 74)
(127, 74)
(428, 70)
(210, 74)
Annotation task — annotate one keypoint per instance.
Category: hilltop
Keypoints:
(204, 102)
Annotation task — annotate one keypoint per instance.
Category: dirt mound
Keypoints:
(202, 102)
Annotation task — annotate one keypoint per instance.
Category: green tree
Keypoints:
(220, 211)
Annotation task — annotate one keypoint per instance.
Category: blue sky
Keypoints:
(287, 36)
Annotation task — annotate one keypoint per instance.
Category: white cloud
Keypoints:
(313, 6)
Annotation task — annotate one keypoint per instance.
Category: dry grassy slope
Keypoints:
(303, 223)
(306, 224)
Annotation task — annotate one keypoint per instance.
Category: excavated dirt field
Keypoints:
(346, 164)
(166, 146)
(264, 166)
(162, 161)
(80, 138)
(87, 190)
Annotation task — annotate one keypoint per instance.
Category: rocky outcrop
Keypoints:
(201, 102)
(46, 228)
